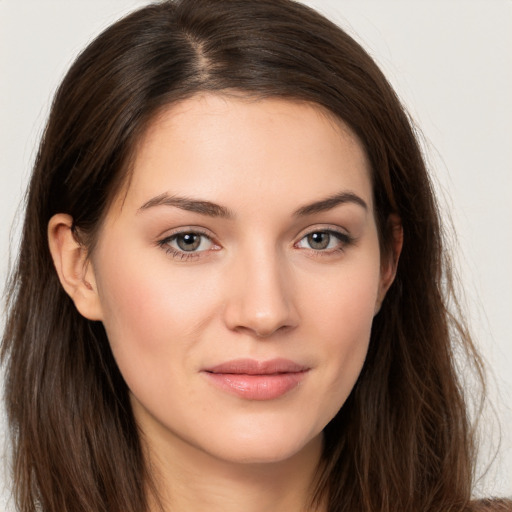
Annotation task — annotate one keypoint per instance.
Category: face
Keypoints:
(239, 274)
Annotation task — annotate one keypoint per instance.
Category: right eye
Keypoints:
(190, 242)
(187, 244)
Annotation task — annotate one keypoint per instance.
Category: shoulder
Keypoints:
(491, 505)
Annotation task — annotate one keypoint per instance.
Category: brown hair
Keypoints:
(402, 441)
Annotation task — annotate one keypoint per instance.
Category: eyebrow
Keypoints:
(215, 210)
(329, 203)
(186, 203)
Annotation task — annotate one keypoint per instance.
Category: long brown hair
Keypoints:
(402, 441)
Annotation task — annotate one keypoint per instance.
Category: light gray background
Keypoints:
(450, 61)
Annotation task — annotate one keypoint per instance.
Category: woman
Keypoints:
(231, 292)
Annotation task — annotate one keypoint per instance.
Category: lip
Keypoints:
(257, 380)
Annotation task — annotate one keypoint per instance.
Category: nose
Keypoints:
(260, 298)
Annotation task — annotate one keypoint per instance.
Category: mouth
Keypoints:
(257, 380)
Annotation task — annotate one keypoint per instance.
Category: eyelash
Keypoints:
(179, 254)
(344, 240)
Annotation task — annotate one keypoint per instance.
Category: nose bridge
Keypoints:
(260, 298)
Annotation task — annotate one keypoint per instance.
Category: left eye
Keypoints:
(321, 240)
(189, 242)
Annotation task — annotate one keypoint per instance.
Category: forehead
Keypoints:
(213, 145)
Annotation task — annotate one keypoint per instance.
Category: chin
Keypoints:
(265, 449)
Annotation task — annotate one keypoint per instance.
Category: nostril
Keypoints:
(268, 332)
(263, 331)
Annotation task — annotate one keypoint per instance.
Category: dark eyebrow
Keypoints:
(189, 204)
(214, 210)
(329, 203)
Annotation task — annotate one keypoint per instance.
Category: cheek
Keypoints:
(340, 322)
(342, 303)
(149, 311)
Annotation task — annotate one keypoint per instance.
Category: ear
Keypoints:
(73, 266)
(389, 261)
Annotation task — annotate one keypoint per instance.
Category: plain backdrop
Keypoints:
(449, 60)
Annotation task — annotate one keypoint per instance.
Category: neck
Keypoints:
(190, 480)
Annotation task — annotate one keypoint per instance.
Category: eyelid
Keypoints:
(328, 228)
(344, 237)
(165, 239)
(168, 233)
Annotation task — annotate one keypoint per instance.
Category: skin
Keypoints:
(256, 287)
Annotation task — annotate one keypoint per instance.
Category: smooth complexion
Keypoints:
(237, 278)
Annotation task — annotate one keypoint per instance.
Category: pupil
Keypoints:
(318, 240)
(188, 242)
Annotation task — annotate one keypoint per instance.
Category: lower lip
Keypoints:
(257, 387)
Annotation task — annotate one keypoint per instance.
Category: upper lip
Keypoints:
(254, 367)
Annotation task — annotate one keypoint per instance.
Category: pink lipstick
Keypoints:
(257, 380)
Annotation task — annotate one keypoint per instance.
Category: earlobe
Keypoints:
(390, 260)
(73, 267)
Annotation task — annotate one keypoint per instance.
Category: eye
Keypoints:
(187, 244)
(324, 240)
